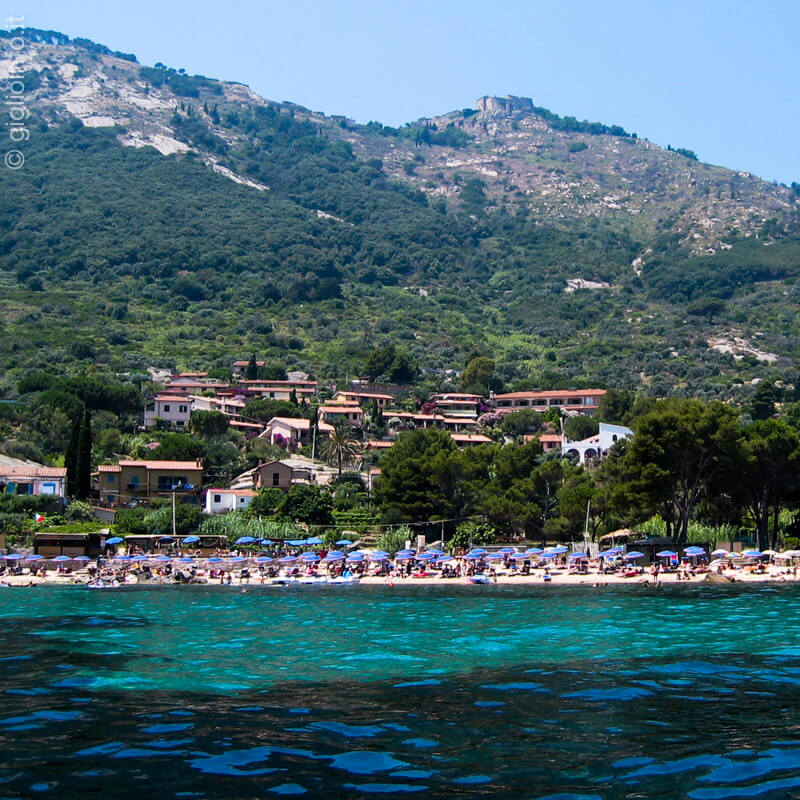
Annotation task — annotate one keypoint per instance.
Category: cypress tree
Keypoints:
(83, 479)
(71, 456)
(251, 373)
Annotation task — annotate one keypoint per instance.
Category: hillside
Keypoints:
(169, 219)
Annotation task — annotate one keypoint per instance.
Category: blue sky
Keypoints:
(720, 78)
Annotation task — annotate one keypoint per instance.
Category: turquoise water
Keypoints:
(427, 691)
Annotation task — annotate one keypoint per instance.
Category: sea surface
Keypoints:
(354, 691)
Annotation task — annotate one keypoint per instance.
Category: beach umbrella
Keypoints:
(237, 560)
(137, 558)
(308, 554)
(404, 556)
(165, 539)
(124, 558)
(355, 559)
(633, 555)
(263, 560)
(472, 556)
(426, 556)
(720, 553)
(343, 543)
(769, 552)
(558, 549)
(187, 560)
(81, 558)
(578, 556)
(287, 560)
(506, 550)
(495, 557)
(191, 539)
(62, 558)
(245, 540)
(14, 556)
(443, 559)
(313, 541)
(296, 542)
(436, 551)
(521, 556)
(752, 554)
(214, 560)
(379, 555)
(694, 550)
(549, 555)
(479, 551)
(34, 558)
(162, 559)
(666, 554)
(114, 540)
(265, 541)
(334, 556)
(534, 551)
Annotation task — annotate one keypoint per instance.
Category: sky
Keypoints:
(719, 77)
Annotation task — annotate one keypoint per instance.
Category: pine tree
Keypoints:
(293, 397)
(83, 478)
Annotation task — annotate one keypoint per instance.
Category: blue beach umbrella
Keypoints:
(123, 558)
(191, 539)
(355, 559)
(165, 539)
(214, 560)
(265, 541)
(187, 560)
(237, 560)
(287, 560)
(62, 558)
(162, 559)
(720, 553)
(608, 553)
(343, 543)
(296, 542)
(136, 558)
(114, 540)
(245, 540)
(81, 558)
(666, 554)
(693, 550)
(426, 556)
(559, 549)
(34, 558)
(534, 551)
(334, 556)
(521, 556)
(313, 541)
(506, 550)
(633, 555)
(472, 556)
(578, 556)
(13, 557)
(752, 554)
(263, 560)
(479, 551)
(379, 555)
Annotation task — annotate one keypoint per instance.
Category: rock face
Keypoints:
(503, 105)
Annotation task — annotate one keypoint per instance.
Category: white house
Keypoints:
(172, 409)
(218, 501)
(22, 477)
(596, 446)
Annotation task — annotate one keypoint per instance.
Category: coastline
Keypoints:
(591, 580)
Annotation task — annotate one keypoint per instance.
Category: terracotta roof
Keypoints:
(550, 437)
(188, 465)
(109, 468)
(470, 437)
(236, 492)
(265, 382)
(367, 394)
(177, 398)
(245, 363)
(566, 393)
(291, 422)
(373, 444)
(32, 472)
(340, 409)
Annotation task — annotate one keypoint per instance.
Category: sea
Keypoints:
(546, 692)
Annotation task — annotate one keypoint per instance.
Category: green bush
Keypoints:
(79, 511)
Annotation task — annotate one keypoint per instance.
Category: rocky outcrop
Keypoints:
(504, 105)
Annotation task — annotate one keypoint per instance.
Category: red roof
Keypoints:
(188, 465)
(34, 471)
(565, 393)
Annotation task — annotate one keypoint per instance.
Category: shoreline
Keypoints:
(731, 578)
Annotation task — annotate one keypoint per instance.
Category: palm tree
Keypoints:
(340, 447)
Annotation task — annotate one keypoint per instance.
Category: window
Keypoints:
(150, 407)
(217, 498)
(183, 409)
(166, 409)
(110, 478)
(276, 479)
(589, 401)
(166, 482)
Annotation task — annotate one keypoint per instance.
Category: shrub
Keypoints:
(79, 511)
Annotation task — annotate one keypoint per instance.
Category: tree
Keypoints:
(762, 406)
(678, 449)
(71, 455)
(708, 307)
(518, 423)
(83, 464)
(208, 423)
(396, 365)
(580, 427)
(766, 477)
(266, 503)
(478, 377)
(340, 447)
(177, 447)
(251, 370)
(309, 504)
(264, 409)
(615, 406)
(407, 485)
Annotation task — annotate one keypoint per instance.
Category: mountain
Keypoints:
(167, 219)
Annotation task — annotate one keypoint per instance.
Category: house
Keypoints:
(454, 404)
(139, 481)
(382, 401)
(580, 401)
(279, 390)
(595, 447)
(240, 367)
(469, 439)
(225, 404)
(290, 432)
(185, 386)
(29, 478)
(549, 441)
(171, 409)
(218, 501)
(273, 474)
(349, 413)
